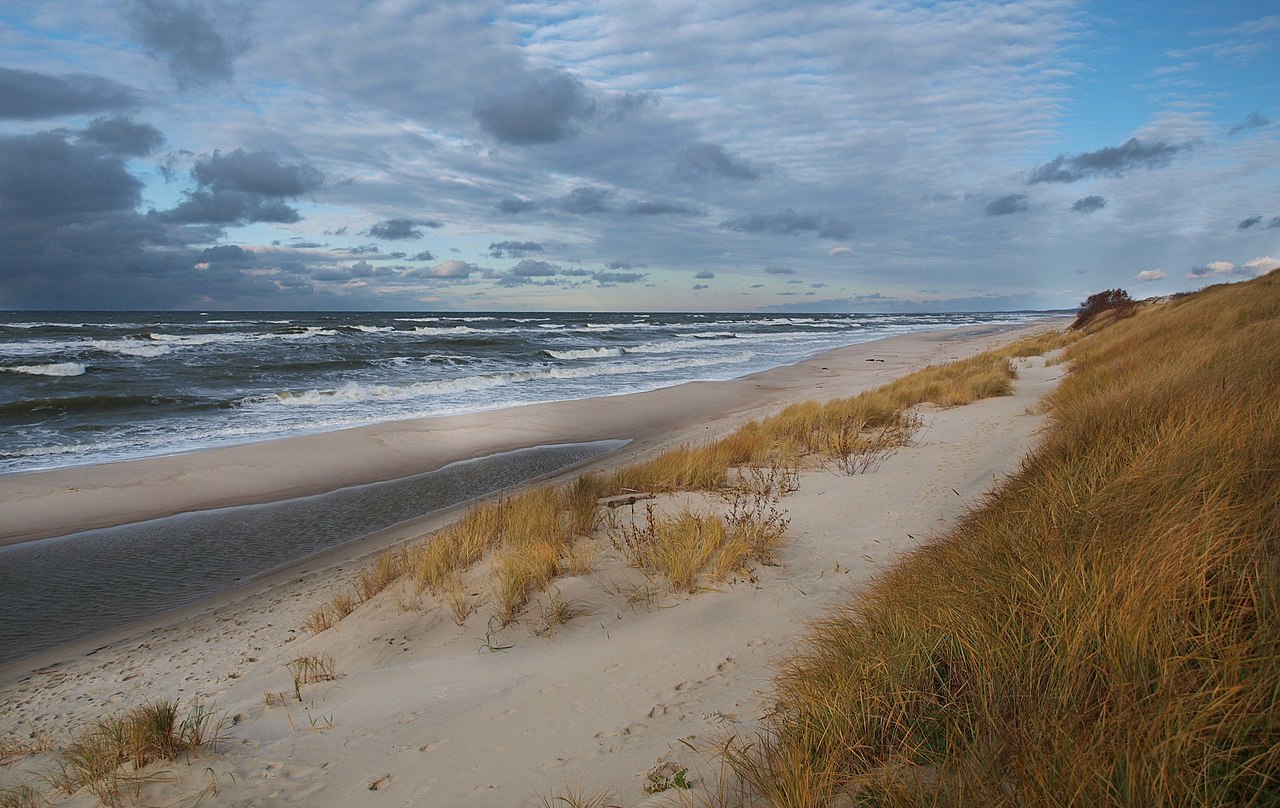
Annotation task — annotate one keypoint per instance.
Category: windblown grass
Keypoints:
(1105, 630)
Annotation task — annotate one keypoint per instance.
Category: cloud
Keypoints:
(258, 172)
(660, 209)
(1147, 275)
(228, 254)
(612, 278)
(1005, 205)
(705, 275)
(515, 205)
(531, 268)
(1112, 161)
(122, 135)
(26, 95)
(243, 187)
(1262, 265)
(1245, 224)
(401, 229)
(1275, 222)
(187, 36)
(698, 286)
(547, 106)
(838, 251)
(45, 175)
(789, 222)
(774, 270)
(1089, 204)
(586, 200)
(619, 265)
(757, 286)
(446, 270)
(709, 160)
(425, 255)
(72, 237)
(513, 249)
(1255, 120)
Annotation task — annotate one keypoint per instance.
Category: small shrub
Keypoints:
(1098, 302)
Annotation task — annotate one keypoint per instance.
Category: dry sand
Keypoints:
(427, 713)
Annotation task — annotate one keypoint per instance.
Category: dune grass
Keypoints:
(1104, 630)
(530, 536)
(156, 731)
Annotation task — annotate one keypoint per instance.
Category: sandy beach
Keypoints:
(427, 713)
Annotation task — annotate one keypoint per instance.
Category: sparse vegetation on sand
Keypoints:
(108, 758)
(530, 537)
(1104, 630)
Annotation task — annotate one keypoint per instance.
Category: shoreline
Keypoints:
(58, 502)
(651, 422)
(399, 662)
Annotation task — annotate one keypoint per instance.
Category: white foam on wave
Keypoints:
(356, 392)
(130, 347)
(583, 353)
(373, 329)
(52, 369)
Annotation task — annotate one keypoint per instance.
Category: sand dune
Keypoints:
(426, 713)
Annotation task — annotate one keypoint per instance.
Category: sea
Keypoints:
(90, 387)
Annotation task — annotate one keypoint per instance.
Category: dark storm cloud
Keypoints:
(1255, 120)
(709, 160)
(123, 136)
(425, 255)
(259, 172)
(513, 249)
(401, 229)
(1013, 203)
(26, 95)
(228, 254)
(586, 200)
(547, 106)
(242, 187)
(779, 271)
(71, 235)
(187, 37)
(1112, 161)
(1250, 222)
(705, 275)
(230, 207)
(1089, 204)
(45, 175)
(789, 222)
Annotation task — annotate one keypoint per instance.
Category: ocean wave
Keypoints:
(583, 353)
(52, 369)
(130, 347)
(356, 392)
(373, 329)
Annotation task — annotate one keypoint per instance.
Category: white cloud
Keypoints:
(1149, 275)
(834, 251)
(1263, 264)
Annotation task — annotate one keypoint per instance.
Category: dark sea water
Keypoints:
(85, 387)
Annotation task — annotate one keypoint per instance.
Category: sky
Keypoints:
(637, 155)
